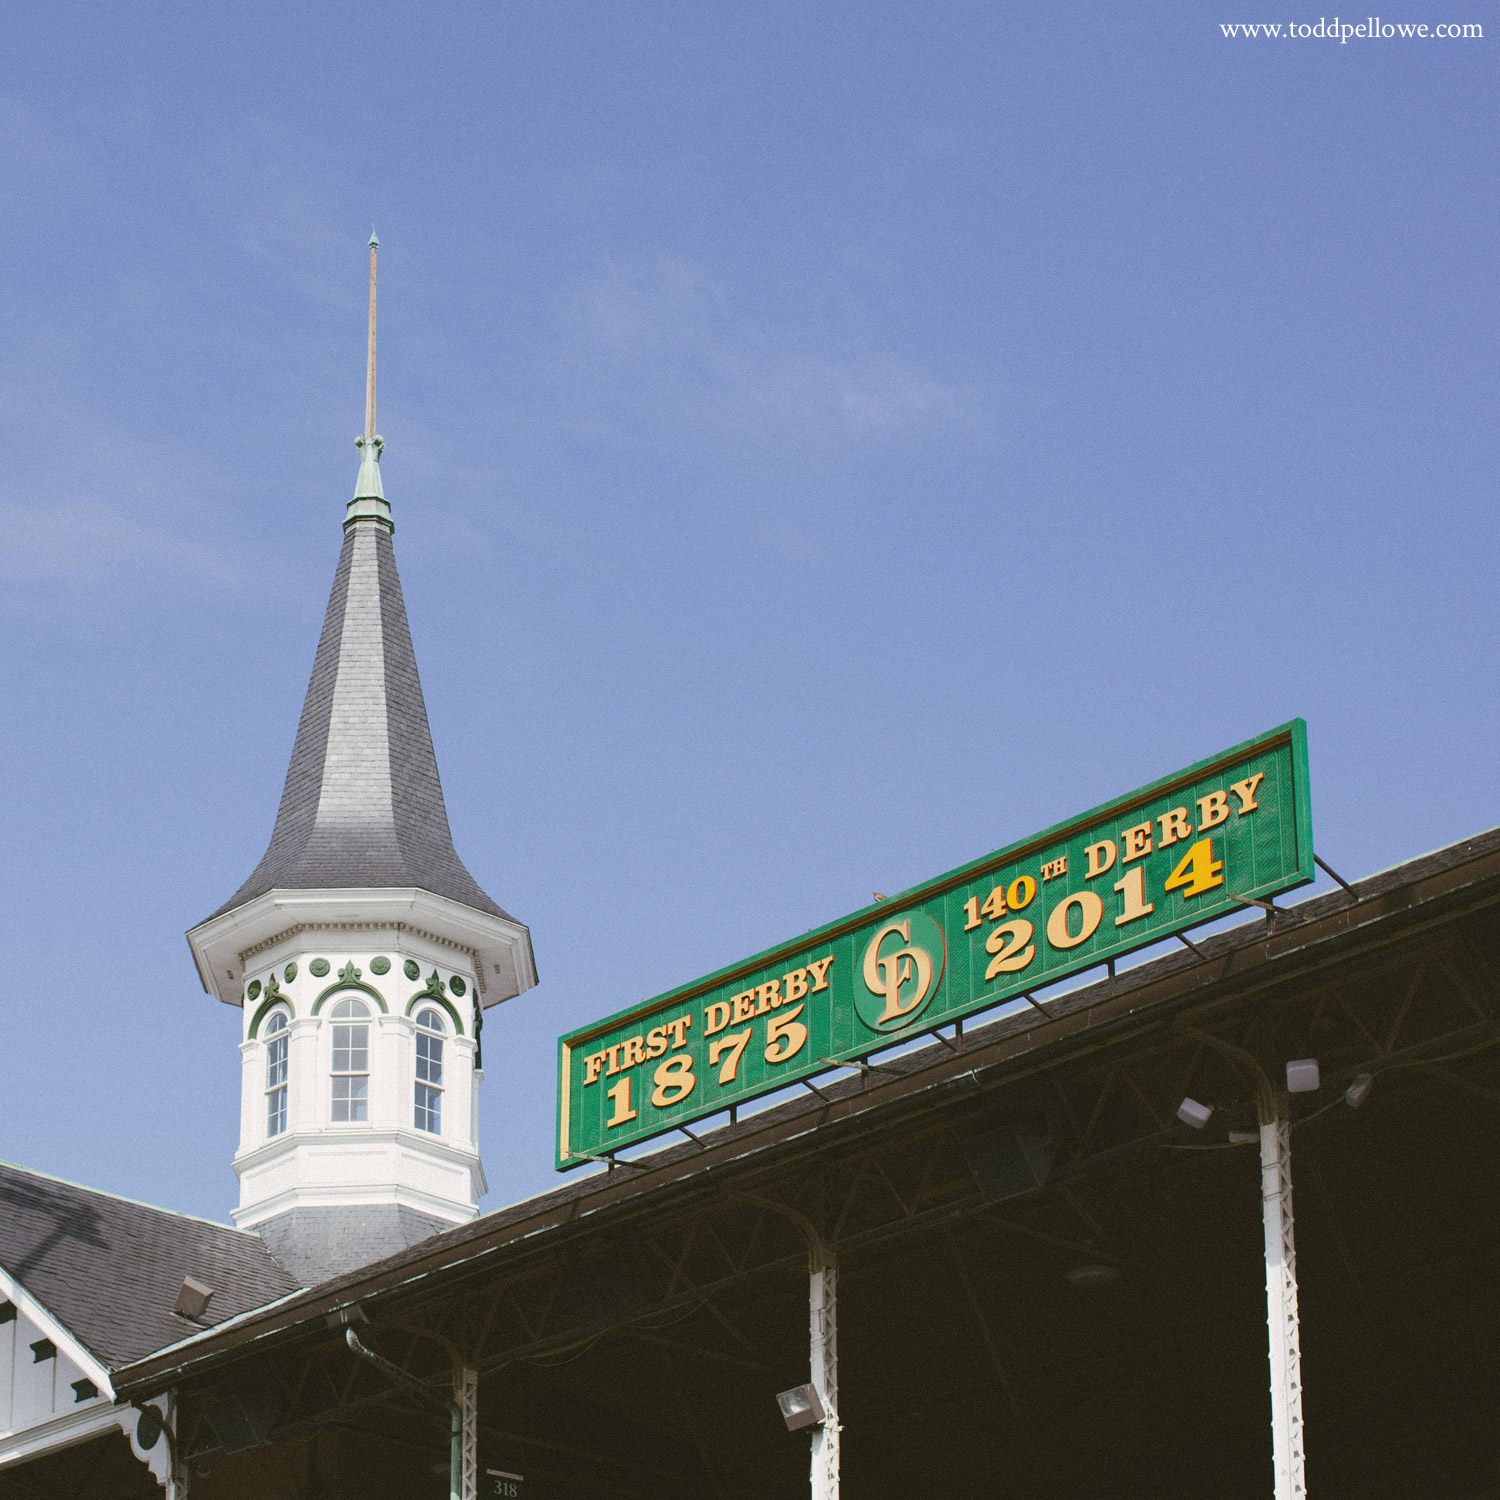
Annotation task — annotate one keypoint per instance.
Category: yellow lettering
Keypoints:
(744, 1006)
(1197, 871)
(633, 1052)
(1133, 889)
(767, 997)
(656, 1041)
(1055, 867)
(1101, 857)
(818, 968)
(679, 1030)
(994, 905)
(614, 1057)
(785, 1036)
(1022, 889)
(1177, 824)
(674, 1081)
(1212, 810)
(971, 911)
(734, 1044)
(1245, 791)
(620, 1093)
(716, 1017)
(1137, 840)
(1090, 909)
(591, 1067)
(1011, 944)
(796, 985)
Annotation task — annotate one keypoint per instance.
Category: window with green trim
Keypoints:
(276, 1058)
(429, 1097)
(351, 1061)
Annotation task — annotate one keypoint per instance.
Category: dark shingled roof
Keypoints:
(362, 806)
(110, 1269)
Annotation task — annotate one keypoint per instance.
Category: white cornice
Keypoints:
(66, 1430)
(501, 948)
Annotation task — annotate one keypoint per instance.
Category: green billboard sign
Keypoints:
(1139, 869)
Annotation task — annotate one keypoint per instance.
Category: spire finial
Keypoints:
(369, 497)
(370, 362)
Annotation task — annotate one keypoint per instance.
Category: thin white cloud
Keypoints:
(691, 341)
(97, 543)
(117, 519)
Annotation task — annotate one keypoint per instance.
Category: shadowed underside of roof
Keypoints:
(110, 1269)
(362, 806)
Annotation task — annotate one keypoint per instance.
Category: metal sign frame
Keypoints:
(1192, 847)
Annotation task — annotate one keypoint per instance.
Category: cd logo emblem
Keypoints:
(902, 969)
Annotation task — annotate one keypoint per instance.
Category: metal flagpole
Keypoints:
(823, 1285)
(1281, 1307)
(370, 357)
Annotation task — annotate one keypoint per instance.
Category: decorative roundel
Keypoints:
(411, 969)
(318, 967)
(289, 973)
(457, 985)
(254, 990)
(381, 965)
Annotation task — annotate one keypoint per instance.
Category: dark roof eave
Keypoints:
(1245, 956)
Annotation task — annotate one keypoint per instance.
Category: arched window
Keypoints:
(276, 1043)
(351, 1060)
(429, 1101)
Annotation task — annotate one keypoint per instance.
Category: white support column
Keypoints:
(1281, 1309)
(823, 1307)
(466, 1393)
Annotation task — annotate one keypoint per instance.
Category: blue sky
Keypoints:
(827, 442)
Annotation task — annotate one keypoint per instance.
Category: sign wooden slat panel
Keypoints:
(1120, 877)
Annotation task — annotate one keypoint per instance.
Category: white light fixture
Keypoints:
(192, 1299)
(1243, 1137)
(1359, 1090)
(1302, 1076)
(800, 1407)
(1190, 1112)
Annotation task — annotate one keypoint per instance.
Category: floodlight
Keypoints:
(1190, 1112)
(1302, 1076)
(1243, 1137)
(1359, 1090)
(800, 1407)
(192, 1298)
(1092, 1275)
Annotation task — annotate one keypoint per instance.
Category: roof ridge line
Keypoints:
(83, 1187)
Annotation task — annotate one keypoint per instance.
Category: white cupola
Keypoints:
(361, 950)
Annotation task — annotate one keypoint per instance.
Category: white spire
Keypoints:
(368, 486)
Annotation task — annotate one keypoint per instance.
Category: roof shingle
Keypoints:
(362, 806)
(110, 1269)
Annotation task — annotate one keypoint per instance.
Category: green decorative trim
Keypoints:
(273, 989)
(434, 990)
(458, 986)
(351, 984)
(381, 965)
(289, 973)
(411, 969)
(422, 997)
(253, 993)
(318, 967)
(265, 1007)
